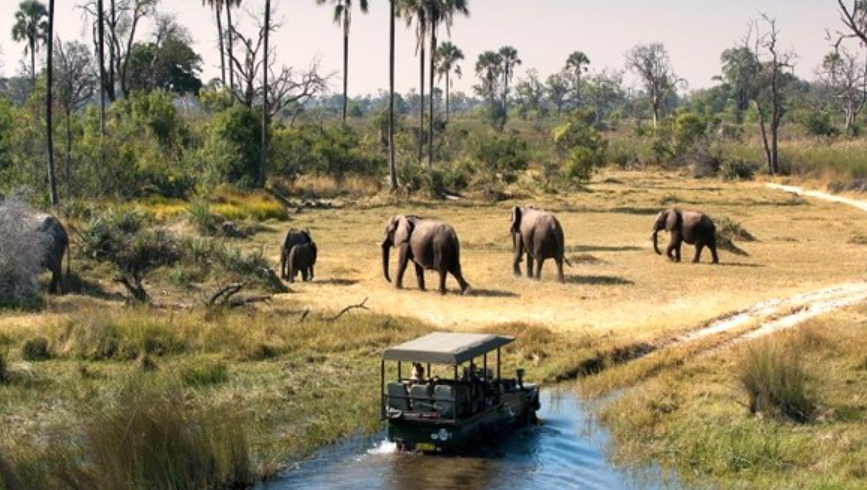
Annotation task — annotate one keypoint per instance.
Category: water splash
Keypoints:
(384, 447)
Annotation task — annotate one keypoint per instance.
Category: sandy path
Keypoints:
(779, 314)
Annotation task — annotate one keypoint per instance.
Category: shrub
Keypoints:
(733, 230)
(199, 213)
(35, 349)
(504, 156)
(818, 123)
(120, 239)
(736, 169)
(233, 147)
(581, 147)
(688, 129)
(4, 373)
(776, 381)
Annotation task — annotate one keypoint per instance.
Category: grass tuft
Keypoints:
(35, 349)
(776, 381)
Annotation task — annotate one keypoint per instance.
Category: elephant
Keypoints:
(429, 244)
(56, 245)
(293, 237)
(538, 234)
(302, 258)
(691, 227)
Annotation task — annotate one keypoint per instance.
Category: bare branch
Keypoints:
(359, 306)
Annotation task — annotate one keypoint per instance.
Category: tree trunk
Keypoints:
(33, 64)
(100, 19)
(433, 50)
(263, 157)
(392, 166)
(764, 132)
(112, 57)
(231, 47)
(448, 96)
(345, 65)
(68, 152)
(421, 101)
(49, 102)
(218, 15)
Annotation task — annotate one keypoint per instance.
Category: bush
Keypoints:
(120, 239)
(502, 156)
(736, 169)
(688, 129)
(580, 146)
(231, 152)
(4, 373)
(733, 230)
(199, 213)
(776, 381)
(35, 349)
(819, 124)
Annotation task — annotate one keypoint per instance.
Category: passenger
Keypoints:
(417, 373)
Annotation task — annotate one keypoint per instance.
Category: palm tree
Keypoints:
(392, 164)
(343, 15)
(439, 11)
(416, 10)
(217, 5)
(100, 51)
(31, 27)
(231, 40)
(448, 55)
(263, 151)
(49, 102)
(576, 65)
(509, 57)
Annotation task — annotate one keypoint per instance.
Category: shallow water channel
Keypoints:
(567, 450)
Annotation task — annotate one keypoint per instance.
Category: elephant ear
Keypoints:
(516, 219)
(673, 220)
(404, 230)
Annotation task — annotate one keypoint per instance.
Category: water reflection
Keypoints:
(568, 450)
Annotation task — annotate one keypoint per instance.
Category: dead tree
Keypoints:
(845, 74)
(651, 64)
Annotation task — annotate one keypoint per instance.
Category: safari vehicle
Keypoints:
(467, 406)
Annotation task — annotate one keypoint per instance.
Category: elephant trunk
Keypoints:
(386, 249)
(655, 244)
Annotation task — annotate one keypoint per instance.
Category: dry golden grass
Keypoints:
(628, 293)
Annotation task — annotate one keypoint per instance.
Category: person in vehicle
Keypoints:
(417, 373)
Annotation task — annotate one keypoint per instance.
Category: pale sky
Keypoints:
(544, 32)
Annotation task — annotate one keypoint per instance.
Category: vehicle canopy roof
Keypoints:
(446, 348)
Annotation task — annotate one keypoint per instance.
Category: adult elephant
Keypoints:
(691, 227)
(56, 244)
(538, 234)
(429, 244)
(293, 237)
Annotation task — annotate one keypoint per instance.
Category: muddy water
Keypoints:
(567, 450)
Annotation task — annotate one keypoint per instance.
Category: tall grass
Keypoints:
(154, 440)
(776, 381)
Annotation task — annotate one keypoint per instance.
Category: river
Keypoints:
(567, 450)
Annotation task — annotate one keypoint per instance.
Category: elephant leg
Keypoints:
(282, 264)
(529, 265)
(459, 276)
(712, 245)
(401, 266)
(519, 252)
(54, 288)
(677, 252)
(539, 268)
(419, 275)
(311, 273)
(560, 276)
(292, 273)
(305, 274)
(443, 275)
(699, 246)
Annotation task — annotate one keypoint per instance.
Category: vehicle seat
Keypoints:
(445, 400)
(421, 396)
(397, 397)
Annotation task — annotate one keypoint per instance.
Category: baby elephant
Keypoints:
(302, 258)
(691, 227)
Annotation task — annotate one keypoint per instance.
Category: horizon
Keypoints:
(804, 28)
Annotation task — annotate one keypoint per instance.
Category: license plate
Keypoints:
(426, 447)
